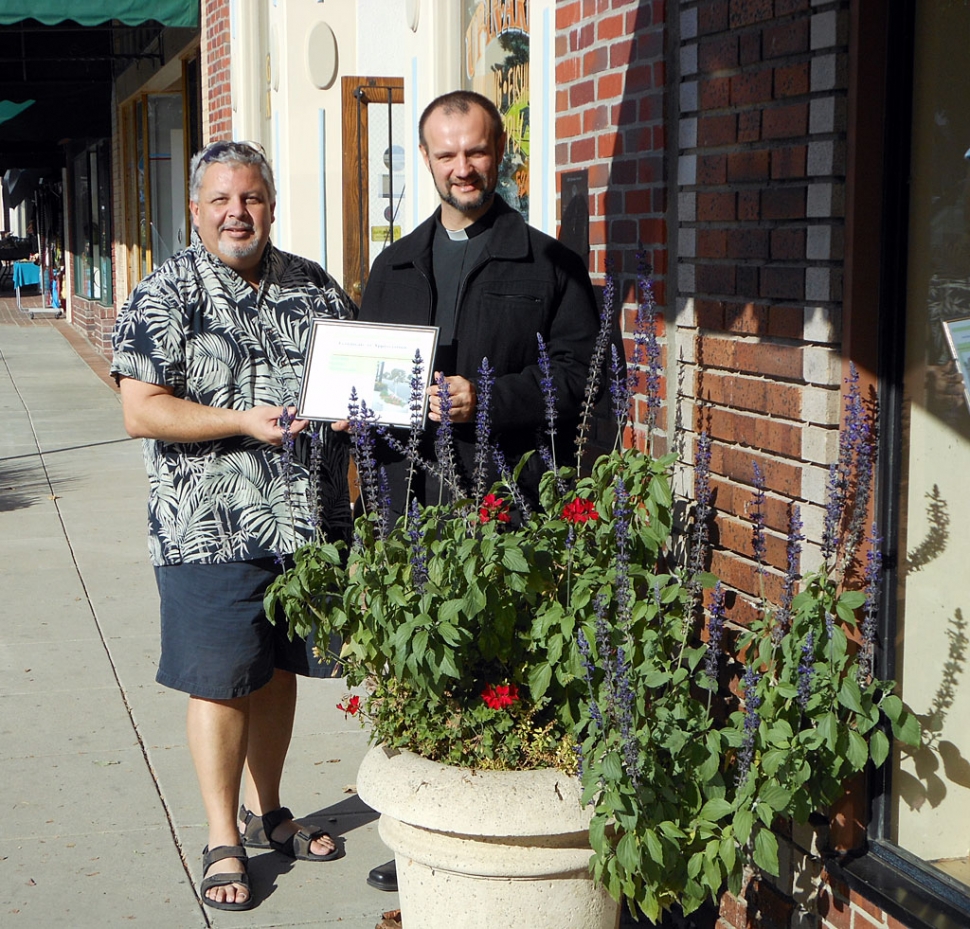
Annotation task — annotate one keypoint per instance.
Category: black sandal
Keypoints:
(258, 833)
(226, 878)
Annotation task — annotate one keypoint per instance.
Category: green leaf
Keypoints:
(850, 696)
(857, 751)
(743, 823)
(539, 677)
(776, 797)
(878, 747)
(715, 809)
(654, 846)
(907, 729)
(628, 852)
(514, 560)
(766, 851)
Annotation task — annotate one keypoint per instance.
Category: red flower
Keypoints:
(493, 508)
(500, 696)
(579, 511)
(352, 707)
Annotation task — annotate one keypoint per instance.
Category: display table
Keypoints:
(25, 274)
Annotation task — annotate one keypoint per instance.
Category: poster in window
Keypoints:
(958, 337)
(496, 65)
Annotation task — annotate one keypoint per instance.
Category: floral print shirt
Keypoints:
(196, 326)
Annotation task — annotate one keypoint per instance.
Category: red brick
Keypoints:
(744, 242)
(750, 51)
(786, 322)
(712, 16)
(639, 78)
(583, 150)
(712, 170)
(595, 119)
(715, 279)
(716, 207)
(747, 277)
(751, 87)
(714, 94)
(608, 144)
(717, 131)
(609, 85)
(712, 243)
(769, 359)
(567, 71)
(782, 283)
(749, 205)
(709, 314)
(621, 53)
(749, 165)
(569, 125)
(792, 81)
(567, 14)
(717, 54)
(789, 162)
(785, 122)
(787, 244)
(835, 912)
(786, 7)
(748, 12)
(785, 38)
(783, 203)
(744, 318)
(749, 126)
(610, 27)
(596, 60)
(581, 94)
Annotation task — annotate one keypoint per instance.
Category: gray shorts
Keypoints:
(216, 640)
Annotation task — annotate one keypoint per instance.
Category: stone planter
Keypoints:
(477, 849)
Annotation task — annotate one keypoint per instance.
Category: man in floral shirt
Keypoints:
(209, 355)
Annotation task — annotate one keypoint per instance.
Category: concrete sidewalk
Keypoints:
(101, 821)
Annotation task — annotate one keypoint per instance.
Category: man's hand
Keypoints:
(462, 395)
(151, 411)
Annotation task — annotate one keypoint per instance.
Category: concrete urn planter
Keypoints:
(491, 849)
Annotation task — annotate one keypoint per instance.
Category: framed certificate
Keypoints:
(958, 336)
(373, 359)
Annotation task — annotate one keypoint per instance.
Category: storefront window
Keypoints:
(496, 65)
(92, 224)
(930, 802)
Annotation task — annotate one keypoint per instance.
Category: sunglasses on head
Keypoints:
(214, 149)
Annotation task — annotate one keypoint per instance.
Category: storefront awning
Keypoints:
(94, 12)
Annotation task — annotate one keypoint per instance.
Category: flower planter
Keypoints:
(492, 849)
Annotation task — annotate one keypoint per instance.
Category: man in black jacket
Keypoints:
(492, 284)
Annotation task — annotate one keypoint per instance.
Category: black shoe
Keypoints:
(384, 877)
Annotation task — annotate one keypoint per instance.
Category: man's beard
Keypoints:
(241, 250)
(485, 195)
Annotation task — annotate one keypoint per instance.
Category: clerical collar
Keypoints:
(482, 224)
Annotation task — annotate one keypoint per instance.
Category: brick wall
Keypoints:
(610, 75)
(216, 91)
(726, 119)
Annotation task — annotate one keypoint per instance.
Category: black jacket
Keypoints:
(525, 283)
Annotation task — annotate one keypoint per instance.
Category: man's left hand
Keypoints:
(463, 398)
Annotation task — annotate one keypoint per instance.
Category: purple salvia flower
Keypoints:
(794, 549)
(498, 456)
(362, 439)
(758, 515)
(286, 453)
(419, 564)
(715, 633)
(589, 668)
(702, 514)
(619, 392)
(444, 447)
(596, 364)
(833, 512)
(625, 700)
(483, 426)
(548, 387)
(751, 722)
(646, 330)
(416, 408)
(870, 610)
(383, 503)
(316, 462)
(622, 514)
(806, 670)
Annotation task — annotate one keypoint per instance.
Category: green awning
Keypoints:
(9, 109)
(95, 12)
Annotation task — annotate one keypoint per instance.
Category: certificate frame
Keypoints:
(375, 359)
(958, 338)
